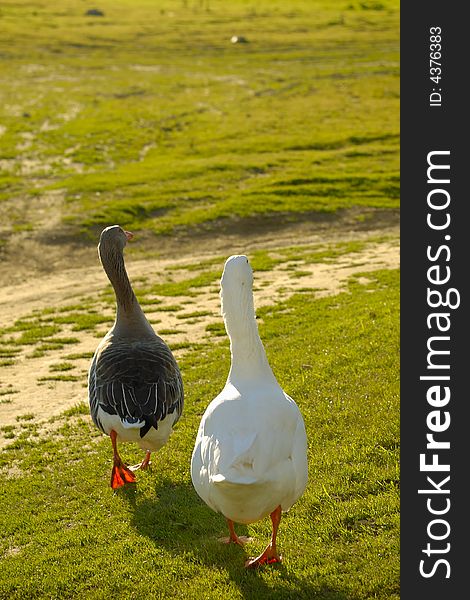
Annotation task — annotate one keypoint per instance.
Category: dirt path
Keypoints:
(24, 397)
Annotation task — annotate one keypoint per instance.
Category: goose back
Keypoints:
(139, 381)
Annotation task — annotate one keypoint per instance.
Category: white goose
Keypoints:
(250, 455)
(134, 384)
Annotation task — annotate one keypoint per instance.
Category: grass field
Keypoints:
(150, 117)
(66, 535)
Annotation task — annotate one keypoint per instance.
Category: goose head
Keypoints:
(236, 287)
(111, 246)
(114, 238)
(237, 276)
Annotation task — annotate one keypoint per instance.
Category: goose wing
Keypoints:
(139, 381)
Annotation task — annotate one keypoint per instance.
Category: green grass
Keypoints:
(60, 378)
(338, 358)
(150, 117)
(9, 390)
(193, 315)
(84, 321)
(63, 366)
(186, 287)
(79, 355)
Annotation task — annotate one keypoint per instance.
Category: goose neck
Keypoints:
(249, 359)
(113, 264)
(125, 296)
(130, 319)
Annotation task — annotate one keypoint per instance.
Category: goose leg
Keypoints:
(120, 474)
(144, 464)
(270, 555)
(233, 537)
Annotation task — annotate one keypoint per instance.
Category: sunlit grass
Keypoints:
(338, 357)
(150, 117)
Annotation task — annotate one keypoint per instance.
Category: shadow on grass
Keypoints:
(177, 520)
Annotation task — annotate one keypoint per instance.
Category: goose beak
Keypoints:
(129, 235)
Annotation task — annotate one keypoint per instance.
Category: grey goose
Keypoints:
(135, 387)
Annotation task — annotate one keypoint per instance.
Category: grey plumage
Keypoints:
(138, 380)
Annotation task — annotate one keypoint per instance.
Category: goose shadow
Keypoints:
(177, 520)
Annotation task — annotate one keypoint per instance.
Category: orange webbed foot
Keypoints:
(241, 540)
(268, 557)
(233, 538)
(144, 464)
(121, 475)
